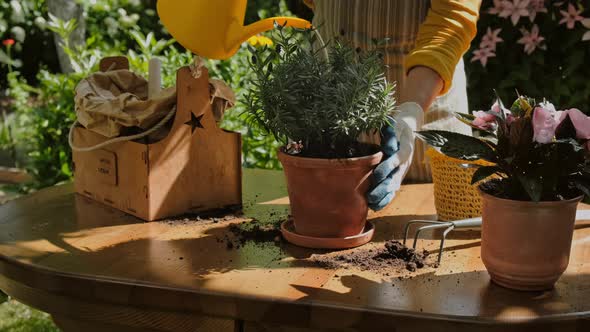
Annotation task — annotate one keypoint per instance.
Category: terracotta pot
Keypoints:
(327, 196)
(526, 245)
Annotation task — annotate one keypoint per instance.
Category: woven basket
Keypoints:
(454, 196)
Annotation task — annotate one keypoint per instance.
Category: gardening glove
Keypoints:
(397, 144)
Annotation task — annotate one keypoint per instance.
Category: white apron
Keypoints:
(362, 21)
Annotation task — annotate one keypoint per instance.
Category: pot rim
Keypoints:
(530, 203)
(371, 160)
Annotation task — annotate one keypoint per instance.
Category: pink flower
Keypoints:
(485, 116)
(515, 9)
(581, 122)
(531, 40)
(560, 116)
(490, 39)
(535, 7)
(496, 107)
(482, 55)
(8, 42)
(571, 16)
(498, 7)
(544, 126)
(484, 120)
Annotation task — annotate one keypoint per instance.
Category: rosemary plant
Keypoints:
(323, 102)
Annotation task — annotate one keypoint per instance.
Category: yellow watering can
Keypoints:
(215, 28)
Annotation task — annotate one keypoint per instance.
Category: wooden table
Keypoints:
(97, 269)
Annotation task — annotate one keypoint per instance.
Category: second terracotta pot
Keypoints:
(327, 196)
(526, 245)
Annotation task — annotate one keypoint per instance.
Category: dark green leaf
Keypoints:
(483, 173)
(583, 186)
(458, 146)
(532, 186)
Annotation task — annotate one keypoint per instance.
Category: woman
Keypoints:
(425, 43)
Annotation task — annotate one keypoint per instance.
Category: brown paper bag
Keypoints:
(222, 98)
(108, 101)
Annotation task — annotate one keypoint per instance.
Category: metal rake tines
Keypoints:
(430, 224)
(448, 226)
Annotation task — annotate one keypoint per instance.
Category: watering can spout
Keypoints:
(214, 28)
(243, 33)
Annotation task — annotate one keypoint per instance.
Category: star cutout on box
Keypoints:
(194, 122)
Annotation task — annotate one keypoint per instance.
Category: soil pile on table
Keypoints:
(389, 258)
(253, 231)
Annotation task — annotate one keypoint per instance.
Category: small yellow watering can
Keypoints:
(215, 28)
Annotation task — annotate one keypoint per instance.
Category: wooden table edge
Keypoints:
(35, 275)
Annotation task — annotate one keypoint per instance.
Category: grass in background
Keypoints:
(17, 317)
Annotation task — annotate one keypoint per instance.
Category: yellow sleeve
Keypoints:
(444, 37)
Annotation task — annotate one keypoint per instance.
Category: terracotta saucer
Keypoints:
(288, 231)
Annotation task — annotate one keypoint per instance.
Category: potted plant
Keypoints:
(541, 167)
(317, 101)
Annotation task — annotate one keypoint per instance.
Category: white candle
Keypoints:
(155, 77)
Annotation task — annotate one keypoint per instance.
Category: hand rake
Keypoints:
(449, 226)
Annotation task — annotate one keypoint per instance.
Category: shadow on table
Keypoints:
(194, 258)
(173, 256)
(469, 294)
(58, 216)
(186, 261)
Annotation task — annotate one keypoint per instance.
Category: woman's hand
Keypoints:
(422, 86)
(397, 144)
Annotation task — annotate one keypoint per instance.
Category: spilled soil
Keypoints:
(253, 231)
(393, 256)
(390, 257)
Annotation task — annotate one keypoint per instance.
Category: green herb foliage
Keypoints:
(326, 104)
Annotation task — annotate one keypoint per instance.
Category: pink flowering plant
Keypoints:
(536, 45)
(537, 152)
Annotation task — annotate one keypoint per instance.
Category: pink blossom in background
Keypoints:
(544, 126)
(490, 39)
(535, 7)
(515, 9)
(498, 7)
(531, 40)
(482, 55)
(571, 16)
